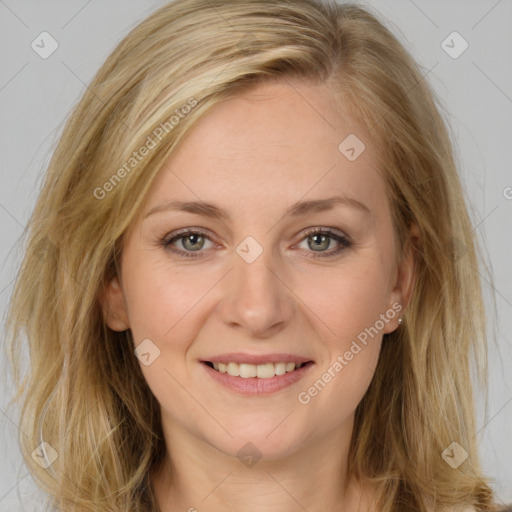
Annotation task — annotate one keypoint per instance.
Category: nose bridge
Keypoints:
(258, 300)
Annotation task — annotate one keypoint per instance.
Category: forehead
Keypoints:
(272, 144)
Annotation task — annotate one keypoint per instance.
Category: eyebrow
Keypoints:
(295, 210)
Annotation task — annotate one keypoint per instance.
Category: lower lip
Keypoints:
(254, 385)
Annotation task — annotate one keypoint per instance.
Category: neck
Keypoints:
(314, 477)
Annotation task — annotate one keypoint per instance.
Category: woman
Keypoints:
(242, 288)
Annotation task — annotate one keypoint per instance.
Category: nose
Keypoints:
(257, 297)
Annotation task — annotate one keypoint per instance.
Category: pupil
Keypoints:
(319, 239)
(192, 239)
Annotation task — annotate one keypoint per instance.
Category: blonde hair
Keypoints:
(85, 394)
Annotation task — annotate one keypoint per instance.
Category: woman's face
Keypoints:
(254, 177)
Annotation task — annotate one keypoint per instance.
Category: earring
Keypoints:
(399, 321)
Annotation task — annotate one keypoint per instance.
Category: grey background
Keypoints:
(37, 94)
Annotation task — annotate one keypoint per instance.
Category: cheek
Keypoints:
(347, 312)
(164, 306)
(347, 299)
(352, 342)
(162, 299)
(338, 389)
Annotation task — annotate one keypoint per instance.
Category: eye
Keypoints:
(320, 239)
(192, 242)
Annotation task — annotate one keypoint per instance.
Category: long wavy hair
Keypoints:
(83, 396)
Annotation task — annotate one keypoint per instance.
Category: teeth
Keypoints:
(266, 371)
(280, 368)
(261, 371)
(233, 369)
(244, 370)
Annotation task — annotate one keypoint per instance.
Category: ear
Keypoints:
(405, 280)
(113, 305)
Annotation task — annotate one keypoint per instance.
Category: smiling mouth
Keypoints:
(259, 371)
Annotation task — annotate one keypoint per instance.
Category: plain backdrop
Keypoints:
(475, 88)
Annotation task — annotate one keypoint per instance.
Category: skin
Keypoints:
(254, 156)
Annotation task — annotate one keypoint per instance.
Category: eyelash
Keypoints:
(344, 242)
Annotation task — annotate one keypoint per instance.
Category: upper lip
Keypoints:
(239, 358)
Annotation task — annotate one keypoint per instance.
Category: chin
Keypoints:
(265, 440)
